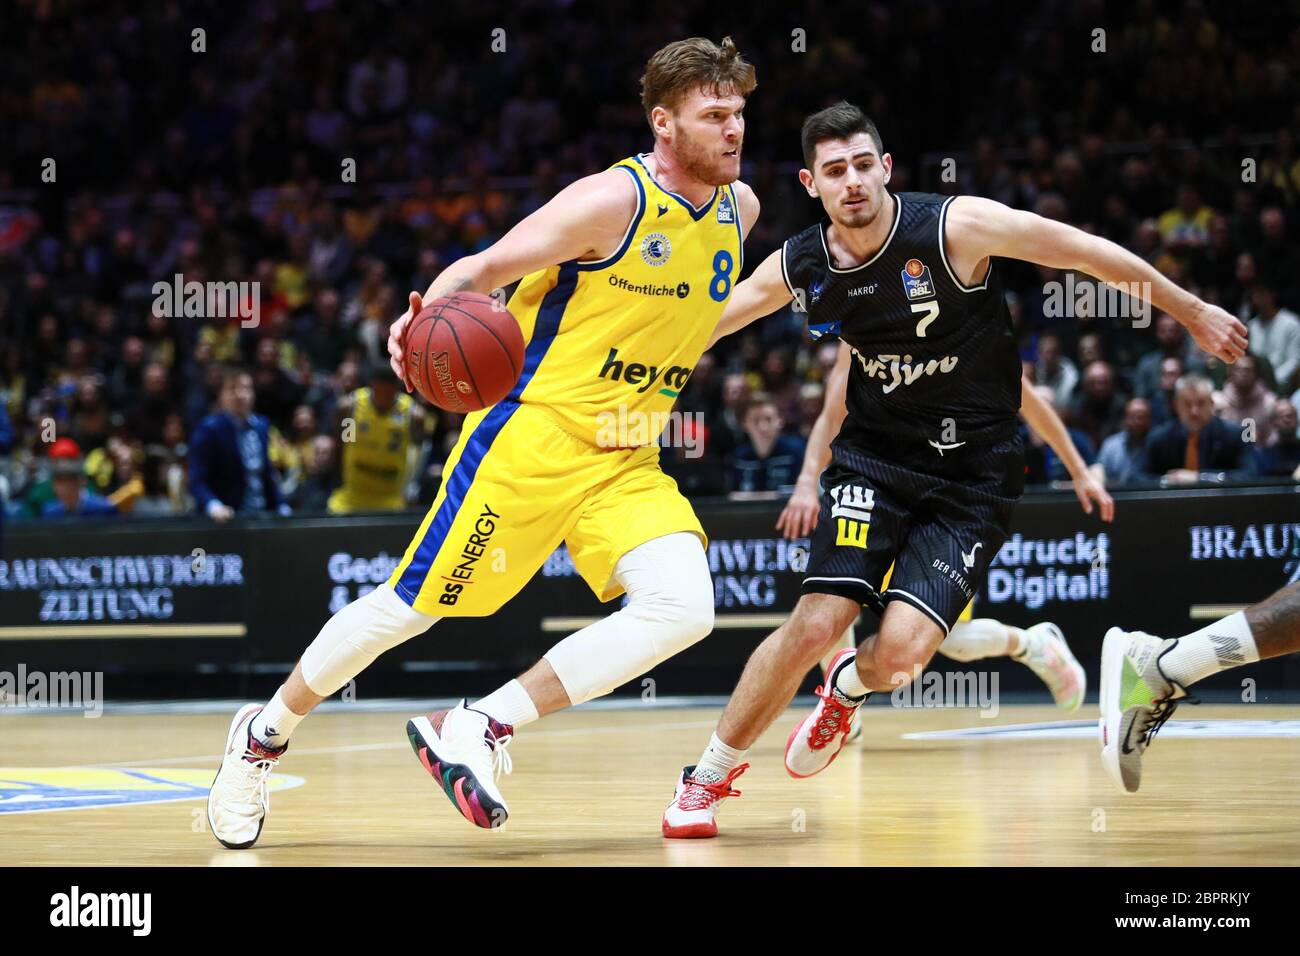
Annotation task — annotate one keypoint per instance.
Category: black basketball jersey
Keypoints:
(934, 364)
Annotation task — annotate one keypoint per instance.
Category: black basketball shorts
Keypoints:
(938, 533)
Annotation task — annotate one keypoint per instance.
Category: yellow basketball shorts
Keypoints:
(966, 614)
(513, 488)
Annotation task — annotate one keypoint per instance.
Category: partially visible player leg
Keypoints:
(238, 800)
(888, 659)
(847, 640)
(767, 685)
(1042, 648)
(852, 547)
(669, 608)
(942, 562)
(1143, 677)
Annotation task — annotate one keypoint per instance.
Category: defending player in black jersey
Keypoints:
(927, 468)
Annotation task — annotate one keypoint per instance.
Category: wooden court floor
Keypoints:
(589, 787)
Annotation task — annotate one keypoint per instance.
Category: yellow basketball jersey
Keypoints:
(620, 336)
(374, 461)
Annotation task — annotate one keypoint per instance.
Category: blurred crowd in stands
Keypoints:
(232, 164)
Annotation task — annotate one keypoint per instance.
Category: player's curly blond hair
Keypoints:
(685, 65)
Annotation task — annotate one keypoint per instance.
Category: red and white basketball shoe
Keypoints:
(817, 740)
(695, 805)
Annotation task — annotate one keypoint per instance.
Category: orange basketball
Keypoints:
(464, 352)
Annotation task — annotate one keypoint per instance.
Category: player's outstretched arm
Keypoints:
(586, 220)
(1042, 418)
(799, 516)
(977, 228)
(761, 294)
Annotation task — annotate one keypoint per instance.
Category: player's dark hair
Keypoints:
(685, 65)
(836, 122)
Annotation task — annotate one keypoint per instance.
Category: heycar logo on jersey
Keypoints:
(898, 369)
(475, 546)
(916, 280)
(634, 373)
(681, 290)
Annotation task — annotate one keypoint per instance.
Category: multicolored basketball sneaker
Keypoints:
(695, 804)
(1136, 699)
(465, 751)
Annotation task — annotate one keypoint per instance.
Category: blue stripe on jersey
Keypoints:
(696, 214)
(740, 233)
(631, 229)
(547, 326)
(480, 441)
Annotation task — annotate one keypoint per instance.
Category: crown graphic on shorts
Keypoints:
(852, 501)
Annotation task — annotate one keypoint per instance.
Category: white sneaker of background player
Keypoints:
(1051, 659)
(239, 798)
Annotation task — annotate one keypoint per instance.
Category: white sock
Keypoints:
(717, 761)
(977, 639)
(847, 683)
(1223, 645)
(508, 704)
(275, 722)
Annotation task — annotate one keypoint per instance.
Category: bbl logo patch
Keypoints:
(916, 280)
(655, 249)
(41, 789)
(725, 212)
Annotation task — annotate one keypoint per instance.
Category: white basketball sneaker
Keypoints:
(1136, 699)
(239, 798)
(695, 805)
(465, 751)
(817, 740)
(1048, 656)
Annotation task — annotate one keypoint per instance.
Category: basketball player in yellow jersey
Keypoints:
(382, 431)
(623, 277)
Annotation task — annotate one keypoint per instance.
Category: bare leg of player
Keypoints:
(848, 639)
(1143, 677)
(669, 608)
(907, 640)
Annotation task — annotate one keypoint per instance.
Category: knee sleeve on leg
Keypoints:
(356, 635)
(975, 640)
(669, 608)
